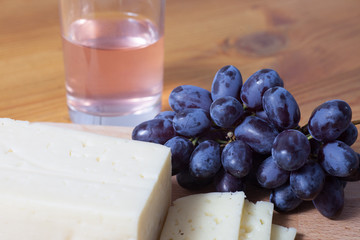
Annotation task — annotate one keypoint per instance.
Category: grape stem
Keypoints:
(194, 140)
(309, 137)
(230, 135)
(356, 122)
(222, 142)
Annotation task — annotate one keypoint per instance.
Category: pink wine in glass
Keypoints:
(113, 67)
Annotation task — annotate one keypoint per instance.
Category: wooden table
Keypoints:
(314, 45)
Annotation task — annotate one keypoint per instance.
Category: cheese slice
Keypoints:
(204, 216)
(256, 221)
(282, 233)
(64, 184)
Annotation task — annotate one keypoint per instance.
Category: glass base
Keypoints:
(126, 120)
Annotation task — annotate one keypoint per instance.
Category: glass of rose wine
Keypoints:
(114, 59)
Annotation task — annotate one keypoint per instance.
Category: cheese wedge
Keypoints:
(64, 184)
(256, 221)
(282, 233)
(204, 217)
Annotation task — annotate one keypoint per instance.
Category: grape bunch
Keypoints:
(241, 135)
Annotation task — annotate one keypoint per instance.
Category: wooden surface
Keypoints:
(310, 224)
(314, 45)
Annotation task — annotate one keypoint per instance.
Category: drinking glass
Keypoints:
(114, 59)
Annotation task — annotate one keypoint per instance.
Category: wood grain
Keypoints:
(314, 45)
(310, 224)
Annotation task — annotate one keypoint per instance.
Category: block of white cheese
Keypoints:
(64, 184)
(282, 233)
(256, 221)
(204, 217)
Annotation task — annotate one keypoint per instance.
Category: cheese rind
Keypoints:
(256, 221)
(61, 184)
(282, 233)
(204, 216)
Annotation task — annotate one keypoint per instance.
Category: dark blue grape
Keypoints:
(284, 199)
(154, 130)
(257, 133)
(255, 86)
(355, 176)
(308, 181)
(205, 161)
(262, 115)
(269, 175)
(291, 149)
(191, 122)
(227, 82)
(350, 135)
(225, 182)
(181, 149)
(169, 115)
(188, 96)
(186, 180)
(330, 200)
(329, 120)
(236, 158)
(257, 159)
(225, 111)
(338, 159)
(281, 108)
